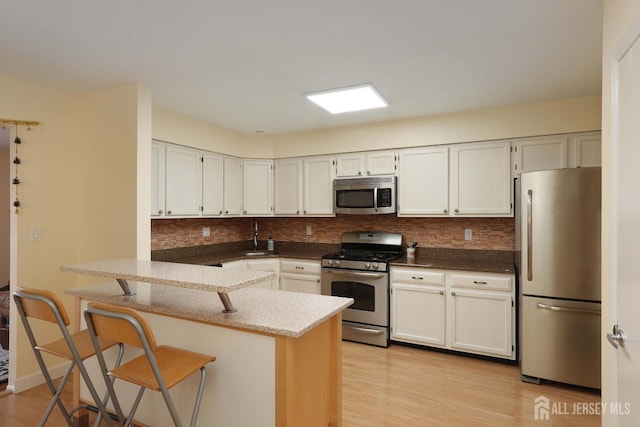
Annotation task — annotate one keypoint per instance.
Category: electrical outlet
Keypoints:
(468, 234)
(206, 231)
(308, 230)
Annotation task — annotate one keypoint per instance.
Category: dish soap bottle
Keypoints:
(270, 244)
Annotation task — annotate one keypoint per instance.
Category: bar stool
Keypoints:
(75, 348)
(159, 368)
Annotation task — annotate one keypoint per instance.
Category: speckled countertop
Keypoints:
(273, 312)
(171, 274)
(187, 291)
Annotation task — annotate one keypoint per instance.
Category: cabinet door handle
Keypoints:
(441, 292)
(220, 212)
(169, 212)
(479, 282)
(445, 210)
(160, 212)
(456, 210)
(453, 294)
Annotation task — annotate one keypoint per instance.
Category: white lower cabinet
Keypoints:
(300, 276)
(418, 314)
(271, 265)
(462, 311)
(481, 322)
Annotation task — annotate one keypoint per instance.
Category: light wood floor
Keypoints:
(403, 386)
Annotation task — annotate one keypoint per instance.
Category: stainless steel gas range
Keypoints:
(360, 270)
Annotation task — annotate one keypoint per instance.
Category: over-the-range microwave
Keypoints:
(365, 195)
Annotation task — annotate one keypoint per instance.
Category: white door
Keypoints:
(212, 184)
(318, 185)
(288, 187)
(423, 182)
(183, 181)
(257, 187)
(232, 186)
(625, 232)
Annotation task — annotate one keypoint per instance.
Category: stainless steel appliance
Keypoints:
(365, 195)
(558, 261)
(360, 270)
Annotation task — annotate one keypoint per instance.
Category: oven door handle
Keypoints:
(357, 274)
(367, 330)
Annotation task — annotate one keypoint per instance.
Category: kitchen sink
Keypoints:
(258, 253)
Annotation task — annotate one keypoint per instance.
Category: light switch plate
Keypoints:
(308, 230)
(468, 234)
(36, 234)
(206, 231)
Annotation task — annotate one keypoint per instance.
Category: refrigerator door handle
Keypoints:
(566, 310)
(529, 235)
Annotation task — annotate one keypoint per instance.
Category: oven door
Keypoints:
(369, 290)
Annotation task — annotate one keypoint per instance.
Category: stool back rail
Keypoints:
(75, 348)
(159, 368)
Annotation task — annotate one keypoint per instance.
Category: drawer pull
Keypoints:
(299, 268)
(417, 278)
(479, 282)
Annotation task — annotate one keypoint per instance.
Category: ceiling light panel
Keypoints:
(352, 98)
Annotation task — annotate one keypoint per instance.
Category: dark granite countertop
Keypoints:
(227, 252)
(489, 261)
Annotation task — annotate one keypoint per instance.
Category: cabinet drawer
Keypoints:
(418, 276)
(499, 282)
(300, 267)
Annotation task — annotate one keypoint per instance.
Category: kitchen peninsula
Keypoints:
(278, 355)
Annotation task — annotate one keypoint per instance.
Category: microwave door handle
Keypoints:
(375, 198)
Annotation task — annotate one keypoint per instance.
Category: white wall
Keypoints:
(78, 183)
(554, 117)
(562, 116)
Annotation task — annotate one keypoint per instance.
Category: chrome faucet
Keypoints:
(255, 236)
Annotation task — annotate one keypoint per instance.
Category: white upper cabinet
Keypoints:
(318, 185)
(212, 184)
(288, 187)
(232, 186)
(423, 181)
(585, 150)
(257, 187)
(366, 164)
(536, 154)
(183, 181)
(480, 179)
(352, 164)
(157, 178)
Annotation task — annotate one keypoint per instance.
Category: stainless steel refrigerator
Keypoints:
(558, 265)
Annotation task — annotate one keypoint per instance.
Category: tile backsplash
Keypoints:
(487, 233)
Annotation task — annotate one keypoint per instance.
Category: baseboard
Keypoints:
(35, 379)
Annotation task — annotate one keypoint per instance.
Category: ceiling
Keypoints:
(246, 64)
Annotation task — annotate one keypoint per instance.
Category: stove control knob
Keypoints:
(336, 263)
(367, 265)
(375, 266)
(329, 262)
